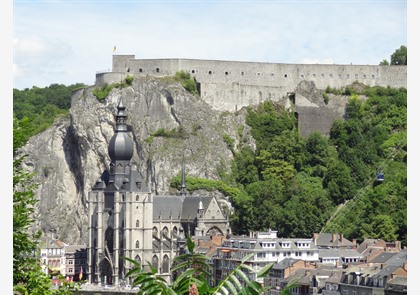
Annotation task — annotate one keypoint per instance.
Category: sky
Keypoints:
(69, 41)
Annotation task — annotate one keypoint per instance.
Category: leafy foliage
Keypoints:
(186, 81)
(34, 110)
(193, 272)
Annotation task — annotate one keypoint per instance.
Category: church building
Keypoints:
(127, 220)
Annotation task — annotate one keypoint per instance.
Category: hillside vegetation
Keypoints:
(294, 185)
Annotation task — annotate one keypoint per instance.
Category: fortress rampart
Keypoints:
(231, 85)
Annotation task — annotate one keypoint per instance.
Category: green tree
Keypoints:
(384, 63)
(27, 274)
(399, 57)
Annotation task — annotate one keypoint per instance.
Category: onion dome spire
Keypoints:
(120, 147)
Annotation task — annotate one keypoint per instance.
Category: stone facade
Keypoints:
(127, 220)
(231, 85)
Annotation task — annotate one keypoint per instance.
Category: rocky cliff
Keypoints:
(168, 126)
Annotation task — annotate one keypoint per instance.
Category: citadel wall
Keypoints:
(231, 85)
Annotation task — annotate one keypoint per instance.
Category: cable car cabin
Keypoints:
(380, 177)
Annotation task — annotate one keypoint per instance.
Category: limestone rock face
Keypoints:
(167, 125)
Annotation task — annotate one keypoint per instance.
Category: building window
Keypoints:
(137, 244)
(165, 265)
(155, 262)
(242, 73)
(210, 73)
(285, 75)
(193, 71)
(137, 223)
(157, 70)
(141, 70)
(137, 197)
(373, 76)
(322, 75)
(226, 73)
(137, 258)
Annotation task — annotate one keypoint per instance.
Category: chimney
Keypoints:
(333, 237)
(315, 237)
(354, 241)
(341, 238)
(398, 245)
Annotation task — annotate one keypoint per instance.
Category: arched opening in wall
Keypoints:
(165, 264)
(174, 232)
(193, 71)
(165, 232)
(226, 73)
(285, 75)
(128, 70)
(258, 74)
(302, 76)
(364, 76)
(137, 223)
(137, 244)
(109, 241)
(138, 259)
(157, 70)
(242, 73)
(141, 70)
(214, 231)
(210, 72)
(373, 76)
(105, 271)
(155, 262)
(155, 232)
(137, 197)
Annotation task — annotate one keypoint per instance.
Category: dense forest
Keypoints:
(299, 186)
(294, 185)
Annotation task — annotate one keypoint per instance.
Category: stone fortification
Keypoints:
(231, 85)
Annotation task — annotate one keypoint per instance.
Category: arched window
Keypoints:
(155, 231)
(137, 244)
(137, 223)
(155, 262)
(141, 70)
(165, 231)
(174, 232)
(137, 197)
(165, 264)
(157, 70)
(138, 259)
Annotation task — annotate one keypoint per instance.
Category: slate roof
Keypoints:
(383, 257)
(190, 205)
(348, 253)
(285, 263)
(167, 206)
(398, 259)
(326, 240)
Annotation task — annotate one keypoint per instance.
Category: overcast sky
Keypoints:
(68, 41)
